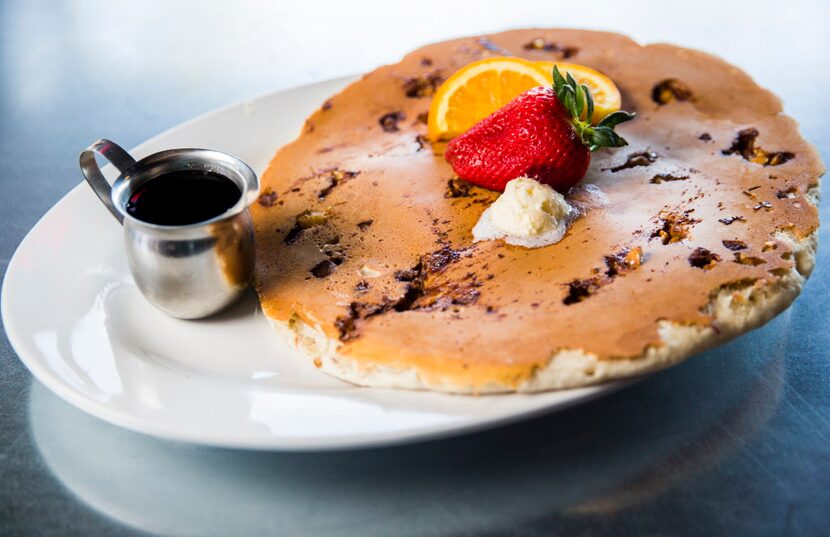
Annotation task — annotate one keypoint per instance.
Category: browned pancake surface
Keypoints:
(702, 202)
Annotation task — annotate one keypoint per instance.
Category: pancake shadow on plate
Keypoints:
(566, 470)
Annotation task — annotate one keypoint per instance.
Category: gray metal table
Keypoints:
(734, 442)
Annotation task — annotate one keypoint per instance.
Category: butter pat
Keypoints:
(527, 208)
(528, 214)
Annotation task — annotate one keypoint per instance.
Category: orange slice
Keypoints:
(606, 96)
(479, 89)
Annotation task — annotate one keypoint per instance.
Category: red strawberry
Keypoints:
(538, 134)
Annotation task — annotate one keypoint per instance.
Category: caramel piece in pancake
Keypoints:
(410, 301)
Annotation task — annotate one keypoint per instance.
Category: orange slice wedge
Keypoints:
(606, 96)
(479, 89)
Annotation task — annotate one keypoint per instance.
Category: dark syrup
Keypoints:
(183, 197)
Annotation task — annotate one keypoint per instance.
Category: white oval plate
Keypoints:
(78, 322)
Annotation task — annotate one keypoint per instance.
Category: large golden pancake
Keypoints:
(365, 255)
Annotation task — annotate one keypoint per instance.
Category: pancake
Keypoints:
(702, 228)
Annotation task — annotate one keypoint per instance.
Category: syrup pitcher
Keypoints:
(187, 228)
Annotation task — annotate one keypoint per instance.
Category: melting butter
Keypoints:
(527, 214)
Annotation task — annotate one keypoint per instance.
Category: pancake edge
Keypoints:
(734, 310)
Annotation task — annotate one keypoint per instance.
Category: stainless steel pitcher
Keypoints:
(187, 271)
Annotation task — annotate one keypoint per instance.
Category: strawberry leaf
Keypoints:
(605, 137)
(568, 100)
(615, 118)
(577, 99)
(558, 80)
(589, 103)
(571, 82)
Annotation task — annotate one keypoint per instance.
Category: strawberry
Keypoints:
(538, 134)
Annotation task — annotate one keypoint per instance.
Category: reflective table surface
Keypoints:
(735, 441)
